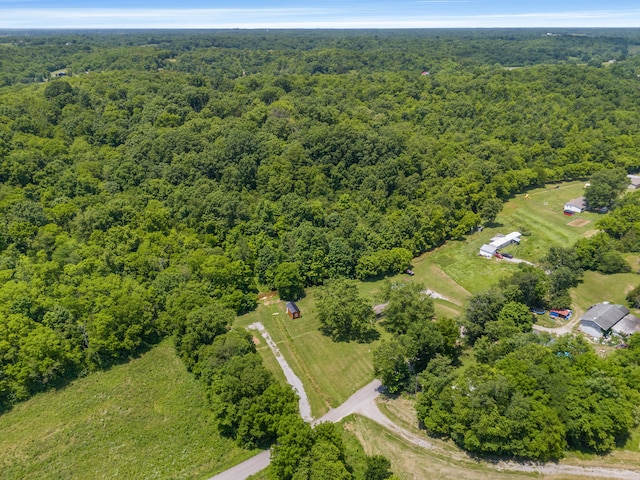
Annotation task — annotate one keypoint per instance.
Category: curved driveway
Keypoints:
(366, 395)
(363, 402)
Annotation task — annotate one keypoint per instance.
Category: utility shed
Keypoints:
(488, 250)
(600, 318)
(292, 310)
(628, 325)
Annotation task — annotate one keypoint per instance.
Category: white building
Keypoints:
(501, 242)
(498, 242)
(577, 205)
(634, 182)
(488, 250)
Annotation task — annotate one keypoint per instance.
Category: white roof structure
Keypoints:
(501, 242)
(634, 181)
(488, 250)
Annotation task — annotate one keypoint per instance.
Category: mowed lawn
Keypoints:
(330, 371)
(598, 288)
(144, 419)
(538, 215)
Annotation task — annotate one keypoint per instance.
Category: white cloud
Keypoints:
(300, 18)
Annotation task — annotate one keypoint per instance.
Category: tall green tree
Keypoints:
(408, 303)
(343, 313)
(605, 187)
(288, 281)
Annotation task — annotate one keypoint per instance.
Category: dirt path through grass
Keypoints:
(292, 378)
(371, 411)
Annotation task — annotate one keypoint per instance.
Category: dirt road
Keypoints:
(292, 378)
(363, 402)
(568, 328)
(359, 400)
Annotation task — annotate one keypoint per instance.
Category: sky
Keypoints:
(315, 14)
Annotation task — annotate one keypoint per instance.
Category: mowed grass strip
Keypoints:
(330, 371)
(145, 419)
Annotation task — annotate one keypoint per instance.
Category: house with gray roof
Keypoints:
(600, 319)
(577, 205)
(629, 325)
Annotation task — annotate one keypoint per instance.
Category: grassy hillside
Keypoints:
(537, 214)
(332, 371)
(145, 419)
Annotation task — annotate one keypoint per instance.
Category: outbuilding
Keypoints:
(629, 325)
(506, 240)
(488, 250)
(292, 310)
(563, 313)
(600, 319)
(577, 205)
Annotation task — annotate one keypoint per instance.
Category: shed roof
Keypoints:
(292, 307)
(579, 202)
(489, 249)
(605, 315)
(628, 325)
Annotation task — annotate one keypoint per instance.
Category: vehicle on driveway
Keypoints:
(497, 255)
(507, 255)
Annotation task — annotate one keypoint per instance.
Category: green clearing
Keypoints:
(456, 268)
(331, 371)
(144, 419)
(598, 288)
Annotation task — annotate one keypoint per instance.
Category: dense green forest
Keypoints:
(167, 177)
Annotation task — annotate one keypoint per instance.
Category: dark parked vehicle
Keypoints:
(507, 255)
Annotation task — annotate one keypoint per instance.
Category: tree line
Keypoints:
(132, 197)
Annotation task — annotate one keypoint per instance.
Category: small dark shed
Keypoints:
(292, 310)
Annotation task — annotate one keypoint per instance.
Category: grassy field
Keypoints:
(145, 419)
(598, 288)
(331, 371)
(538, 215)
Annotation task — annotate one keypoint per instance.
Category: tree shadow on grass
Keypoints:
(368, 336)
